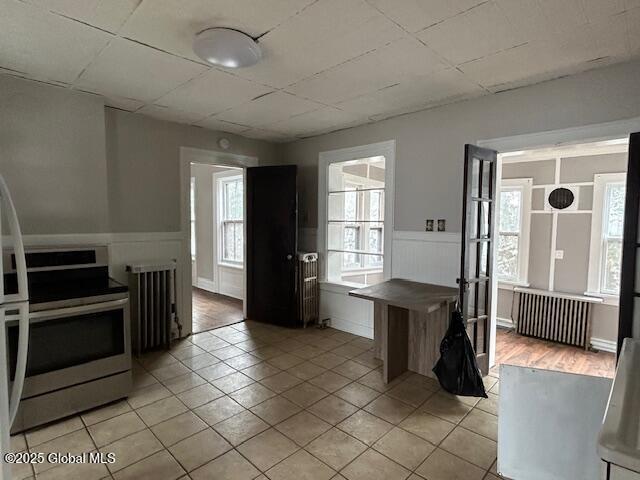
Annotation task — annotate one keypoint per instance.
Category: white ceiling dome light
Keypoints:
(226, 47)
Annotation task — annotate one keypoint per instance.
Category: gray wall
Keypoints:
(74, 166)
(52, 155)
(430, 143)
(573, 233)
(143, 162)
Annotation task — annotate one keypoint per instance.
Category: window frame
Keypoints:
(525, 185)
(192, 218)
(596, 247)
(221, 180)
(326, 159)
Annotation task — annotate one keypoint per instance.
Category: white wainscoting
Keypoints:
(229, 282)
(432, 257)
(349, 314)
(429, 257)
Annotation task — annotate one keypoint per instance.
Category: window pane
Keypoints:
(510, 207)
(351, 242)
(233, 200)
(612, 262)
(356, 220)
(508, 257)
(239, 232)
(228, 244)
(193, 199)
(375, 204)
(350, 206)
(193, 238)
(375, 245)
(615, 210)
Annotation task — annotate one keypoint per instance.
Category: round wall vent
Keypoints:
(561, 198)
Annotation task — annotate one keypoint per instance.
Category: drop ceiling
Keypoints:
(328, 64)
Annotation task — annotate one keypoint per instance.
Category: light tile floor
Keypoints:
(259, 401)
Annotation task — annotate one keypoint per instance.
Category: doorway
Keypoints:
(213, 211)
(217, 245)
(559, 232)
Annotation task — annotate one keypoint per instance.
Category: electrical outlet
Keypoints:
(559, 254)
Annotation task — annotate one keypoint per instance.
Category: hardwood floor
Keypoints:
(514, 349)
(211, 310)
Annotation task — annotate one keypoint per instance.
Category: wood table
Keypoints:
(410, 319)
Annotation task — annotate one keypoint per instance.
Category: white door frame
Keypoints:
(582, 134)
(189, 155)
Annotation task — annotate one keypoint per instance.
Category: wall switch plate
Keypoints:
(559, 254)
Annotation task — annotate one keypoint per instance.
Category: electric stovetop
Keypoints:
(59, 285)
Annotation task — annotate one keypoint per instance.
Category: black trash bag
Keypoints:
(457, 369)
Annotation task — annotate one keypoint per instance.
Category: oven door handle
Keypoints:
(35, 317)
(21, 361)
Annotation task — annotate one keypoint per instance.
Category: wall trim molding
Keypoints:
(505, 322)
(604, 345)
(351, 327)
(433, 237)
(62, 239)
(206, 284)
(232, 291)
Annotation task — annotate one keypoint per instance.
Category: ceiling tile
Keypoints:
(508, 69)
(441, 87)
(128, 104)
(325, 34)
(401, 59)
(128, 69)
(268, 135)
(478, 32)
(43, 45)
(108, 15)
(632, 19)
(582, 49)
(171, 25)
(169, 114)
(416, 15)
(268, 109)
(596, 10)
(215, 124)
(213, 92)
(318, 121)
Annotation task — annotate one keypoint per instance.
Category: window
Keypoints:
(192, 199)
(513, 230)
(607, 223)
(231, 198)
(355, 224)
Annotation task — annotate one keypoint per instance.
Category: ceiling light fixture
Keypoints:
(226, 47)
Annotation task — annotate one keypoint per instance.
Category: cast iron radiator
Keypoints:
(308, 298)
(559, 317)
(153, 305)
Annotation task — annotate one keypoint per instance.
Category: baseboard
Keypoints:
(504, 322)
(351, 327)
(233, 292)
(604, 345)
(206, 284)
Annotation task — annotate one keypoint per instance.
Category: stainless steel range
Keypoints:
(79, 352)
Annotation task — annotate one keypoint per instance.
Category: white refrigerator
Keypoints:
(11, 389)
